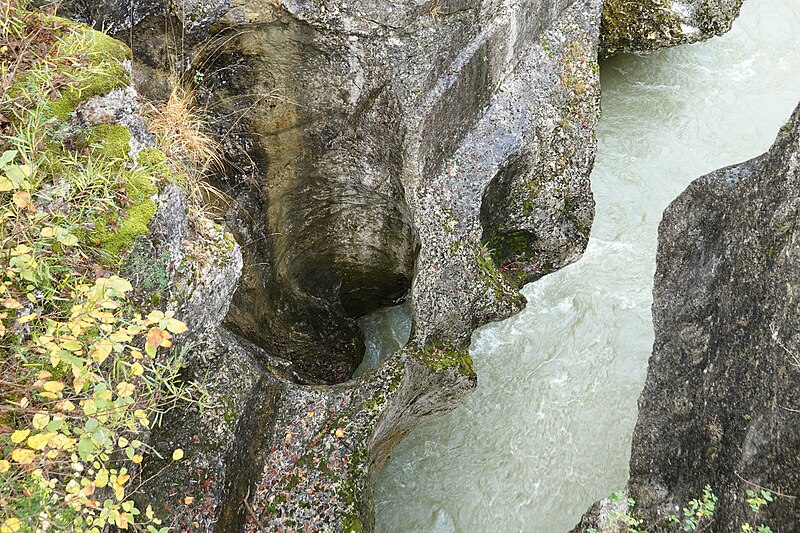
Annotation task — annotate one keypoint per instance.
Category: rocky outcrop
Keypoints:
(371, 145)
(453, 152)
(382, 166)
(647, 25)
(720, 406)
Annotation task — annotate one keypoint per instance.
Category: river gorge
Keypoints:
(548, 430)
(344, 267)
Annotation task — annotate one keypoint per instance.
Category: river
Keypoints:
(548, 430)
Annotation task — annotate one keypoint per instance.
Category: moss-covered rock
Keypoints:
(647, 25)
(81, 63)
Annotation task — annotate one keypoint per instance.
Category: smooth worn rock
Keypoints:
(720, 406)
(374, 151)
(647, 25)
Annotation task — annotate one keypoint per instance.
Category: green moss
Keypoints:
(138, 188)
(496, 279)
(84, 63)
(112, 140)
(439, 357)
(152, 160)
(138, 217)
(510, 246)
(103, 72)
(352, 524)
(638, 25)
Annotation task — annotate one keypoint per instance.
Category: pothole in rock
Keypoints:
(385, 331)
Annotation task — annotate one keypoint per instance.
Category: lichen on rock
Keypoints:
(647, 25)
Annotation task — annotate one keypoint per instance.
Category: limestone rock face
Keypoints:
(375, 150)
(721, 406)
(647, 25)
(374, 144)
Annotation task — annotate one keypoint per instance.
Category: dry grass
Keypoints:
(191, 151)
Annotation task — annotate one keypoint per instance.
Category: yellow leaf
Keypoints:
(70, 343)
(120, 337)
(122, 479)
(67, 239)
(122, 442)
(65, 405)
(27, 318)
(21, 199)
(20, 435)
(125, 389)
(54, 386)
(38, 442)
(150, 350)
(5, 186)
(11, 525)
(155, 316)
(61, 441)
(103, 395)
(4, 466)
(339, 433)
(177, 455)
(101, 479)
(101, 350)
(40, 420)
(175, 326)
(11, 303)
(119, 492)
(188, 500)
(23, 456)
(47, 232)
(137, 459)
(89, 407)
(122, 519)
(137, 369)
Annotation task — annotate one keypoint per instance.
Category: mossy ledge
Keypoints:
(439, 357)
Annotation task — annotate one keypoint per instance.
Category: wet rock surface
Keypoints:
(720, 406)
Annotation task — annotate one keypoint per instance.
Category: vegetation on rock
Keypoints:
(83, 376)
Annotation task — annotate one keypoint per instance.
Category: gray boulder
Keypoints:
(720, 405)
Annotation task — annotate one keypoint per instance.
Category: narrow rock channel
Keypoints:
(548, 430)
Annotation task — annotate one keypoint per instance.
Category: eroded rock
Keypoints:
(438, 148)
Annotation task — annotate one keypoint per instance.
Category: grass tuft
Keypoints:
(183, 136)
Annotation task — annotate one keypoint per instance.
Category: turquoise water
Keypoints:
(548, 430)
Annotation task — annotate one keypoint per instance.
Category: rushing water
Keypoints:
(548, 430)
